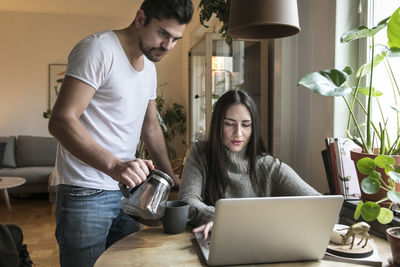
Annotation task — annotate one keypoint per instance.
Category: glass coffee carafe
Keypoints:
(146, 202)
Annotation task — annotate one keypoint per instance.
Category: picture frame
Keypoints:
(56, 78)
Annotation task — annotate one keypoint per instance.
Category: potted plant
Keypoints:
(374, 167)
(335, 82)
(378, 149)
(372, 136)
(173, 122)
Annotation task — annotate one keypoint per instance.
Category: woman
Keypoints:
(233, 163)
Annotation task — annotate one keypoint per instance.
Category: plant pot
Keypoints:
(356, 154)
(393, 237)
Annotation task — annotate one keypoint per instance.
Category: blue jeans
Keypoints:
(87, 222)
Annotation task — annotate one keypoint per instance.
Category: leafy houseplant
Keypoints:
(372, 136)
(221, 10)
(335, 82)
(46, 114)
(374, 169)
(174, 119)
(372, 184)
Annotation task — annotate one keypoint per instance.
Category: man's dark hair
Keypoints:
(181, 10)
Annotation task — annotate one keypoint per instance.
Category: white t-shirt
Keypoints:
(115, 114)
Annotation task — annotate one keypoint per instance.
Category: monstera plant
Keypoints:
(373, 137)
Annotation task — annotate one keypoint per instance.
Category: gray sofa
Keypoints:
(29, 157)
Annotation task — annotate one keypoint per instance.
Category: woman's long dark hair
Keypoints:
(217, 176)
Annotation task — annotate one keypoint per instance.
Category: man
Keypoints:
(107, 101)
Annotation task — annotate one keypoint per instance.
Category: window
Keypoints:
(382, 80)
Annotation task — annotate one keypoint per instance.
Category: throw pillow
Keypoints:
(9, 152)
(2, 148)
(35, 151)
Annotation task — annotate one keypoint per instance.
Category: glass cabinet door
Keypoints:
(198, 91)
(216, 67)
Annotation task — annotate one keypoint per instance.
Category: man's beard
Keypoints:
(152, 53)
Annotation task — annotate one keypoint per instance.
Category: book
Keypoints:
(346, 169)
(334, 158)
(328, 170)
(340, 168)
(331, 167)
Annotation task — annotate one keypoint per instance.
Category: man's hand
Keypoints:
(205, 228)
(132, 173)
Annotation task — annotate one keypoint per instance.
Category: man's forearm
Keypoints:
(155, 143)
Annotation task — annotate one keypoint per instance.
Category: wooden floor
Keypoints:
(34, 215)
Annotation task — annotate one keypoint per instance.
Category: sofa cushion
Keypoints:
(2, 148)
(35, 151)
(9, 152)
(32, 175)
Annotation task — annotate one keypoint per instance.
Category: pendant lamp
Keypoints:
(263, 19)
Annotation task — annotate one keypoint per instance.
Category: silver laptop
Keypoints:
(270, 229)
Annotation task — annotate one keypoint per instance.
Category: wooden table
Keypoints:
(9, 182)
(152, 247)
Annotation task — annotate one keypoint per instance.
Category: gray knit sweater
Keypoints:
(281, 181)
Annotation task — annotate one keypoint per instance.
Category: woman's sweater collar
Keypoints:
(237, 161)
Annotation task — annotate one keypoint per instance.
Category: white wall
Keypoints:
(30, 42)
(303, 119)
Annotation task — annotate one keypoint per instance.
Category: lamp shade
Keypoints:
(263, 19)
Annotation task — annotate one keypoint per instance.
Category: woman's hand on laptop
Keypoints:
(205, 228)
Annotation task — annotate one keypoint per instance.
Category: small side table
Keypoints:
(9, 182)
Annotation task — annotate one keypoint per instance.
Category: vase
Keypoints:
(393, 237)
(357, 154)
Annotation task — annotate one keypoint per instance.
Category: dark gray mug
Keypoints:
(175, 217)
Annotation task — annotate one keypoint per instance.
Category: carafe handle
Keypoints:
(124, 189)
(127, 191)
